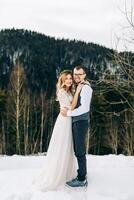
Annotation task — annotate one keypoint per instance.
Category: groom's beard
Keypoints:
(79, 83)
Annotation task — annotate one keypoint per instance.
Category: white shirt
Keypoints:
(86, 96)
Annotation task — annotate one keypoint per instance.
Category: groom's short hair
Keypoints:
(80, 67)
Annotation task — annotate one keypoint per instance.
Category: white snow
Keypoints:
(110, 177)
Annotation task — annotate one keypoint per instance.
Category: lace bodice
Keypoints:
(64, 98)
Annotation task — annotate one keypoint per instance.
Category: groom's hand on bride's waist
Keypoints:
(63, 111)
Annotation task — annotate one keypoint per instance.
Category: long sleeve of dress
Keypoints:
(64, 99)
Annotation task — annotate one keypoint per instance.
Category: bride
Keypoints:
(60, 164)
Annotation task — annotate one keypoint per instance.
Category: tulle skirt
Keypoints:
(60, 162)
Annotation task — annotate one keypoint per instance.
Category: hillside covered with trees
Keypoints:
(30, 63)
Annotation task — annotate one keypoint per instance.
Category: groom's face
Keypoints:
(79, 75)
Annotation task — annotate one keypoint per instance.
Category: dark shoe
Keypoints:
(68, 182)
(77, 183)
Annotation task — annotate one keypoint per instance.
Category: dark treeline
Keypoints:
(29, 66)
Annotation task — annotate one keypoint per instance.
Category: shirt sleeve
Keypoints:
(86, 96)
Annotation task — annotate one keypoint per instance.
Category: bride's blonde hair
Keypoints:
(61, 81)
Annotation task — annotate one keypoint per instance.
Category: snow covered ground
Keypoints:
(110, 178)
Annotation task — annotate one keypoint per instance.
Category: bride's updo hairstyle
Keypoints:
(61, 81)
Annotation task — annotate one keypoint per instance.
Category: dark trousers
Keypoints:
(79, 136)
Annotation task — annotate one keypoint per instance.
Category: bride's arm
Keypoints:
(75, 98)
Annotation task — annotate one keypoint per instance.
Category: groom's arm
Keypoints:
(86, 96)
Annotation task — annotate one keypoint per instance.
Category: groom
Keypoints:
(80, 118)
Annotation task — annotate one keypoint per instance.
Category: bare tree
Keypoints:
(127, 135)
(17, 96)
(26, 125)
(112, 138)
(2, 122)
(123, 84)
(44, 110)
(41, 112)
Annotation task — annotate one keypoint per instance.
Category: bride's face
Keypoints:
(68, 80)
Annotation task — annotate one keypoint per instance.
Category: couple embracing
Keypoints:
(65, 162)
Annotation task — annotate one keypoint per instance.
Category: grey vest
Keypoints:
(84, 116)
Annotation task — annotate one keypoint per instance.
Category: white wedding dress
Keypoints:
(60, 162)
